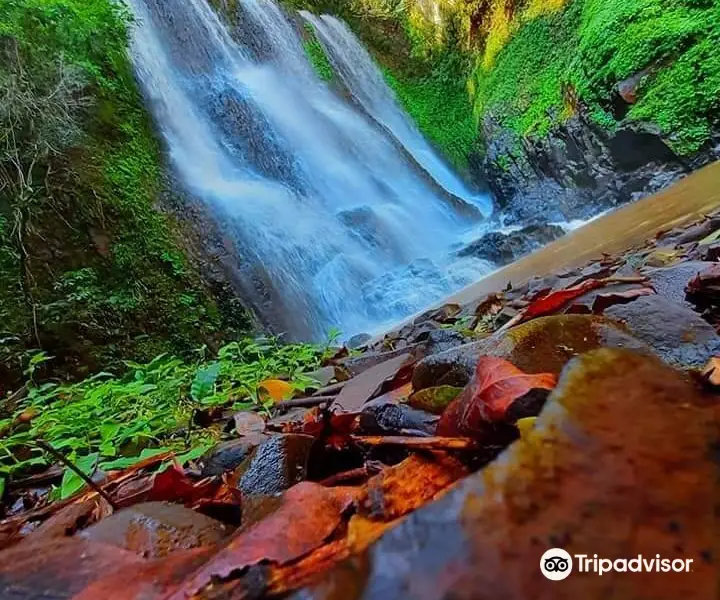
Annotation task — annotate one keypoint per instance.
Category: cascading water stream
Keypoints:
(317, 198)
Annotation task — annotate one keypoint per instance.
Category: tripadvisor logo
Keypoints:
(556, 564)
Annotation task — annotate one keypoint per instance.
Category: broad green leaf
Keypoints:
(204, 383)
(71, 481)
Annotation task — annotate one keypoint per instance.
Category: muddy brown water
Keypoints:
(620, 230)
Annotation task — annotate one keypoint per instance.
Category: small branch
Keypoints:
(94, 486)
(429, 443)
(304, 402)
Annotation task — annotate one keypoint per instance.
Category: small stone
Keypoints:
(157, 529)
(359, 340)
(385, 417)
(501, 248)
(674, 332)
(228, 456)
(276, 465)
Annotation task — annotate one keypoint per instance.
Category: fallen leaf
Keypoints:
(362, 388)
(713, 237)
(555, 301)
(172, 485)
(308, 514)
(605, 301)
(434, 399)
(711, 374)
(277, 389)
(496, 385)
(400, 489)
(248, 423)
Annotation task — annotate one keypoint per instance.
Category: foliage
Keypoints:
(316, 54)
(592, 45)
(438, 102)
(89, 270)
(112, 418)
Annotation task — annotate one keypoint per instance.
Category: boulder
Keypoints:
(503, 248)
(674, 332)
(157, 529)
(671, 282)
(599, 474)
(542, 345)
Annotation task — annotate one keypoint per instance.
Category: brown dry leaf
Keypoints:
(172, 485)
(496, 385)
(605, 301)
(400, 489)
(248, 423)
(362, 388)
(307, 516)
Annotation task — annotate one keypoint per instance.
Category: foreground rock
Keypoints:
(593, 477)
(539, 346)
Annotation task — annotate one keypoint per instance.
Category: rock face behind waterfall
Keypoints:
(578, 170)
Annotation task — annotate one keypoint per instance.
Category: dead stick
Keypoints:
(351, 475)
(304, 402)
(428, 443)
(50, 450)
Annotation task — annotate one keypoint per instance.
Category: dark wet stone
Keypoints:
(358, 340)
(453, 367)
(670, 282)
(157, 529)
(440, 340)
(501, 248)
(674, 332)
(276, 465)
(228, 456)
(385, 417)
(597, 469)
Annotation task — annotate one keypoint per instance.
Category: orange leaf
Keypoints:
(277, 388)
(496, 385)
(308, 514)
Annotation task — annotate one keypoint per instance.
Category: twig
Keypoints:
(58, 455)
(304, 402)
(330, 389)
(431, 443)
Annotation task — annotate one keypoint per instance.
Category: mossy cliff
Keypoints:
(523, 87)
(90, 271)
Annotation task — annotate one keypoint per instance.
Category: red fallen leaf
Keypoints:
(308, 514)
(554, 301)
(496, 385)
(172, 485)
(605, 301)
(707, 277)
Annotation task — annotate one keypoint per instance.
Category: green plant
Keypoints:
(110, 420)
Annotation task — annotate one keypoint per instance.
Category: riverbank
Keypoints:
(505, 425)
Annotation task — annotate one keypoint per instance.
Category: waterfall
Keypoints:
(333, 225)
